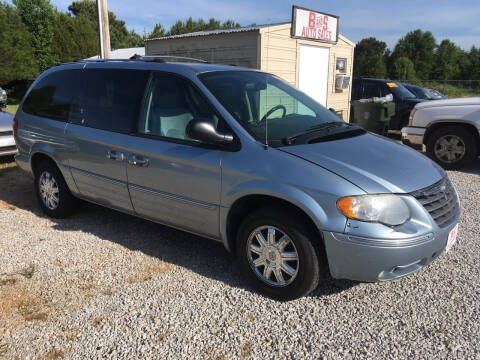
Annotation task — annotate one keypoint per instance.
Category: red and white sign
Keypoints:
(312, 25)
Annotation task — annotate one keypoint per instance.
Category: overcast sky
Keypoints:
(458, 20)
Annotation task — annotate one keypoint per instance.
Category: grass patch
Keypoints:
(7, 165)
(28, 272)
(12, 106)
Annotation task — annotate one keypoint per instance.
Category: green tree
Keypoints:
(73, 38)
(157, 32)
(190, 25)
(120, 36)
(473, 71)
(403, 69)
(369, 59)
(447, 61)
(38, 15)
(16, 51)
(419, 47)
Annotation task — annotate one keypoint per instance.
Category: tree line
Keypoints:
(35, 36)
(416, 56)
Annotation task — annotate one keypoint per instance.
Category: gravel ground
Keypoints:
(106, 285)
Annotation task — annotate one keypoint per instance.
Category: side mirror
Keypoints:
(333, 111)
(202, 129)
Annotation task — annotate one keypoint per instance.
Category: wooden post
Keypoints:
(103, 29)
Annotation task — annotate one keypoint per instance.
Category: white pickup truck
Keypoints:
(449, 129)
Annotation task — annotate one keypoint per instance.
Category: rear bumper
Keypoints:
(7, 145)
(363, 259)
(413, 137)
(6, 151)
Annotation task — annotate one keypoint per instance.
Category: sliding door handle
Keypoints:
(138, 160)
(115, 155)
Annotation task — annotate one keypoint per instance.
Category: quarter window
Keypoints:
(170, 104)
(112, 97)
(54, 96)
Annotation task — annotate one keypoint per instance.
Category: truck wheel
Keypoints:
(452, 147)
(280, 254)
(52, 192)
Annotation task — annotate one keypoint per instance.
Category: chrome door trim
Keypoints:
(173, 197)
(101, 177)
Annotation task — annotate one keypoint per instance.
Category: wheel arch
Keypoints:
(246, 201)
(37, 157)
(439, 124)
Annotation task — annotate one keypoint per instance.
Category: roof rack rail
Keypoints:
(98, 60)
(149, 58)
(165, 58)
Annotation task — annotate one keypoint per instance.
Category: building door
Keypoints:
(313, 72)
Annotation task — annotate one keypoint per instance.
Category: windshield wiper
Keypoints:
(325, 127)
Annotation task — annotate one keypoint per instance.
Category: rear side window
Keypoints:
(375, 89)
(111, 98)
(54, 96)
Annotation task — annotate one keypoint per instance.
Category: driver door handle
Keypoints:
(138, 160)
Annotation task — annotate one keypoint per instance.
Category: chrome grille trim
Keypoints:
(440, 200)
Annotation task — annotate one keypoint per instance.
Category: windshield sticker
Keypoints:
(391, 85)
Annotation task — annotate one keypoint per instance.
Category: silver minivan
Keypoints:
(241, 157)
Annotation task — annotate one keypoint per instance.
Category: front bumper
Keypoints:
(363, 259)
(413, 137)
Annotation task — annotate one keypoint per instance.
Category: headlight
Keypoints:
(410, 118)
(387, 209)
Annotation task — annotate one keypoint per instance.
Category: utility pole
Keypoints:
(103, 29)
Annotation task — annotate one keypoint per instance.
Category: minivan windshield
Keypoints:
(262, 103)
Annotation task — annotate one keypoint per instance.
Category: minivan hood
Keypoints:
(373, 163)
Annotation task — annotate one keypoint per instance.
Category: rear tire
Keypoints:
(52, 192)
(452, 147)
(276, 258)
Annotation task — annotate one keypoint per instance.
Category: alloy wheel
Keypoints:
(49, 191)
(272, 256)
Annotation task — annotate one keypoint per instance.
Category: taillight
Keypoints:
(15, 126)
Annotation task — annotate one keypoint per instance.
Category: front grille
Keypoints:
(7, 148)
(440, 200)
(6, 133)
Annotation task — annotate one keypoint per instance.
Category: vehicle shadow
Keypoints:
(200, 255)
(473, 168)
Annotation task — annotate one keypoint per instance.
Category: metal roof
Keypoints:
(218, 31)
(122, 53)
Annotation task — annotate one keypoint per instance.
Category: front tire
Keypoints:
(280, 254)
(52, 192)
(452, 147)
